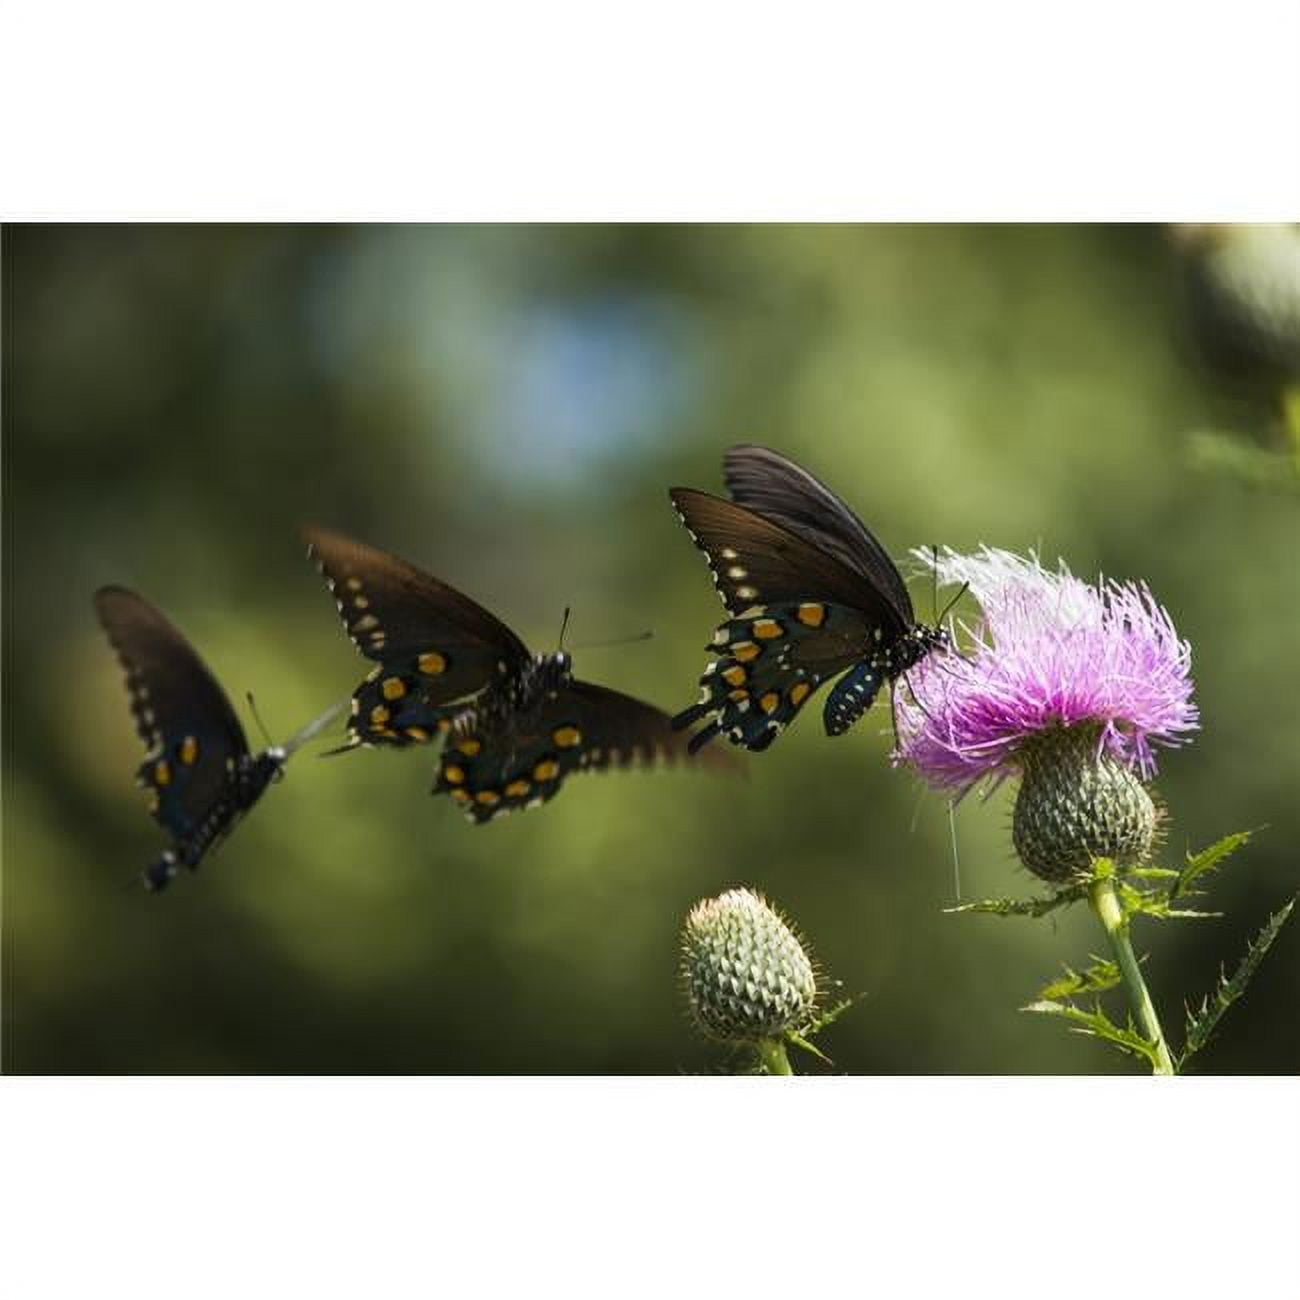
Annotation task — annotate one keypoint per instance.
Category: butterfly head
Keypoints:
(921, 641)
(933, 638)
(263, 769)
(552, 672)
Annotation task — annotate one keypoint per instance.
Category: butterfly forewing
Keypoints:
(433, 644)
(776, 488)
(166, 680)
(182, 714)
(757, 562)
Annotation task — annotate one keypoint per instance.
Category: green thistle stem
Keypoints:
(1105, 903)
(772, 1053)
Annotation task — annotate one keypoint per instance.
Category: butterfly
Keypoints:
(514, 724)
(199, 772)
(809, 593)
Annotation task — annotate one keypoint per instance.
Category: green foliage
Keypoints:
(828, 1017)
(1033, 907)
(1097, 978)
(1202, 1022)
(818, 1024)
(1149, 891)
(1155, 903)
(1207, 860)
(1097, 1024)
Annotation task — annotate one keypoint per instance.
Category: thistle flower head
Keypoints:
(746, 973)
(1050, 652)
(1068, 685)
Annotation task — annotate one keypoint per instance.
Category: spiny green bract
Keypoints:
(1077, 803)
(746, 973)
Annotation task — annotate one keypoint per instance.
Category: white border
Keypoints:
(721, 111)
(649, 1188)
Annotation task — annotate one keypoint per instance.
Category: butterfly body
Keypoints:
(811, 594)
(198, 770)
(514, 724)
(247, 777)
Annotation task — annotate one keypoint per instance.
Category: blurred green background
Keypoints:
(506, 407)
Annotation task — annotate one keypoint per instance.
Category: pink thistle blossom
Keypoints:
(1049, 651)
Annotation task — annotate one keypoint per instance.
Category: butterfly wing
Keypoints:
(584, 728)
(433, 644)
(756, 562)
(194, 740)
(775, 487)
(768, 664)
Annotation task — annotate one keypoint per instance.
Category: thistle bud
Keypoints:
(746, 973)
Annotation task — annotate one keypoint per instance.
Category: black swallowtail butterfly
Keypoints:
(198, 769)
(515, 724)
(810, 592)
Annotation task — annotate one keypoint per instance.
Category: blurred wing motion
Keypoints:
(810, 592)
(198, 770)
(581, 728)
(434, 646)
(515, 724)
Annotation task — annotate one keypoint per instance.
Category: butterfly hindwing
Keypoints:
(581, 728)
(391, 707)
(768, 664)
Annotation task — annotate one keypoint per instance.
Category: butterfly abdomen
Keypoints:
(853, 695)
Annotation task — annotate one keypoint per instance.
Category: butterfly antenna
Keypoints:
(961, 591)
(934, 579)
(621, 640)
(956, 860)
(564, 623)
(252, 708)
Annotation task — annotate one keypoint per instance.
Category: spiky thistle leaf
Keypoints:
(1097, 1024)
(1202, 1022)
(1024, 906)
(1155, 903)
(1097, 978)
(1207, 860)
(830, 1015)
